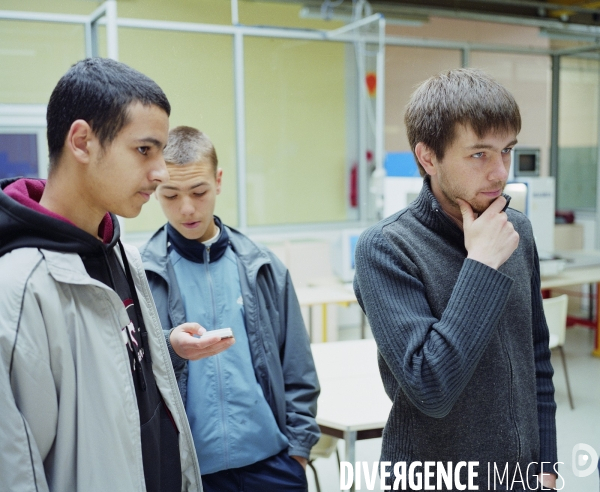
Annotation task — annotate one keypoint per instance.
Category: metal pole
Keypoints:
(350, 451)
(597, 231)
(354, 25)
(91, 31)
(554, 118)
(465, 59)
(235, 15)
(112, 38)
(380, 98)
(98, 13)
(240, 119)
(318, 35)
(378, 175)
(363, 172)
(42, 17)
(89, 43)
(578, 49)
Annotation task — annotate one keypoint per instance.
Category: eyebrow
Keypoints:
(176, 188)
(152, 141)
(486, 146)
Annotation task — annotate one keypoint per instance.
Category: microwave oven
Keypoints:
(526, 161)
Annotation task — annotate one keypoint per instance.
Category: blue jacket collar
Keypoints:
(155, 256)
(193, 250)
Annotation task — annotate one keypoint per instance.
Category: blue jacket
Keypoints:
(278, 339)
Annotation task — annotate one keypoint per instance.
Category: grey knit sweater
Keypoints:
(463, 348)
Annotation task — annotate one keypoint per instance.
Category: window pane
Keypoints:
(200, 11)
(34, 56)
(296, 131)
(18, 155)
(529, 79)
(405, 68)
(196, 73)
(578, 133)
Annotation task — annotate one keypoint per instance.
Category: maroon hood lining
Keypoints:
(28, 192)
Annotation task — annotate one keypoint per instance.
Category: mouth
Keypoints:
(146, 195)
(492, 193)
(190, 225)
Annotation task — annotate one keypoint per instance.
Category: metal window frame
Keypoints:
(106, 14)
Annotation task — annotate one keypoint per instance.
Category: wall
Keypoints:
(527, 77)
(295, 96)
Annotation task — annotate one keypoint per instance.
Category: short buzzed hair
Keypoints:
(188, 145)
(463, 96)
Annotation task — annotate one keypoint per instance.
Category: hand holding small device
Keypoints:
(490, 238)
(190, 341)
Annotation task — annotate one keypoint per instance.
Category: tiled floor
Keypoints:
(581, 425)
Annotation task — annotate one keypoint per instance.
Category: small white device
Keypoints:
(220, 333)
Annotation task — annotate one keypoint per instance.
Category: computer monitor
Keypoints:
(343, 254)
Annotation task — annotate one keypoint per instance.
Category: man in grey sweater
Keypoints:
(451, 288)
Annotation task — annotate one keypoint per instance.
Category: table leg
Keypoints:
(324, 323)
(363, 324)
(350, 453)
(596, 350)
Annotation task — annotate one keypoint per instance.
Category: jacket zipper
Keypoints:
(217, 359)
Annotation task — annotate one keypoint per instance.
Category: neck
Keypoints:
(210, 231)
(65, 197)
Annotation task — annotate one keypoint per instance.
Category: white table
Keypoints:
(353, 404)
(579, 275)
(322, 296)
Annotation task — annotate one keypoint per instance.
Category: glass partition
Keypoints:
(405, 69)
(34, 56)
(196, 73)
(578, 134)
(295, 131)
(529, 79)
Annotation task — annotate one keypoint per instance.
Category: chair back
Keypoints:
(555, 310)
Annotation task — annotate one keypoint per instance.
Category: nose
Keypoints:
(187, 207)
(159, 173)
(500, 166)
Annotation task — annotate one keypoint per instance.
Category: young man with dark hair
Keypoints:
(89, 398)
(451, 287)
(252, 408)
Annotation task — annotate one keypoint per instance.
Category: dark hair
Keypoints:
(463, 96)
(188, 145)
(98, 91)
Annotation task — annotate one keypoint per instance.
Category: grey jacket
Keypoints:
(69, 411)
(463, 349)
(278, 339)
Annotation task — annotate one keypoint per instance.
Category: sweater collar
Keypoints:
(428, 210)
(193, 250)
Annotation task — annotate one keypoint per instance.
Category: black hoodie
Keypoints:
(24, 223)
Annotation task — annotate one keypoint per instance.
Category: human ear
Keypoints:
(77, 141)
(218, 179)
(426, 158)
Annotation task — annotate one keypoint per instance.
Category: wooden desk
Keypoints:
(322, 296)
(353, 404)
(579, 276)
